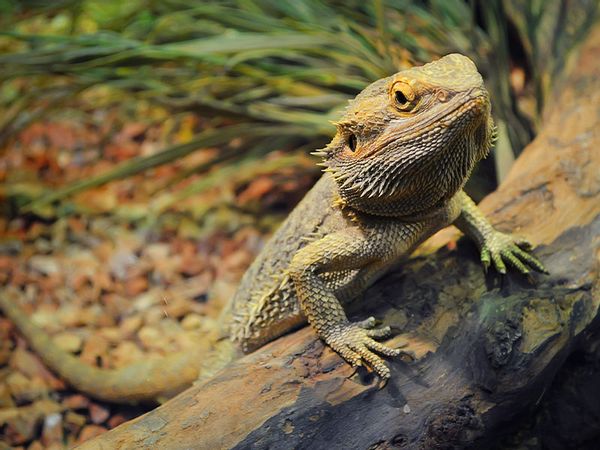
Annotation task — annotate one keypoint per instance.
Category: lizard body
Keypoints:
(395, 170)
(394, 176)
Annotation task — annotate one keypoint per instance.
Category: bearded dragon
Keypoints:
(394, 175)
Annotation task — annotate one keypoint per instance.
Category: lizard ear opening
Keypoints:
(352, 141)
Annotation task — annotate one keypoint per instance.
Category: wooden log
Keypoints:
(488, 347)
(568, 415)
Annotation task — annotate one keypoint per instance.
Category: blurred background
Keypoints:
(148, 149)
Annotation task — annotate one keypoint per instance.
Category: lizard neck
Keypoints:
(422, 189)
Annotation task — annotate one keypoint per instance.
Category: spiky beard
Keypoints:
(410, 177)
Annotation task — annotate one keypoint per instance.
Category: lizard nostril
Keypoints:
(352, 142)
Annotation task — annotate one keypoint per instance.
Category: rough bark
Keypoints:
(488, 347)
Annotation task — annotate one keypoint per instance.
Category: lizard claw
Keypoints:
(501, 249)
(354, 342)
(485, 258)
(369, 325)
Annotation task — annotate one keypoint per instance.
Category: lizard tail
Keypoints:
(146, 381)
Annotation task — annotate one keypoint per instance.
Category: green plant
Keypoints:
(265, 68)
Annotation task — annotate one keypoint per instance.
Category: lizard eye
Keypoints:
(352, 142)
(404, 95)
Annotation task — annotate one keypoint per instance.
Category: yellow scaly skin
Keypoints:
(394, 176)
(395, 172)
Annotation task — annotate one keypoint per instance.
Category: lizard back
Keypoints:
(265, 305)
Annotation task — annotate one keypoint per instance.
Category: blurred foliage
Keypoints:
(271, 72)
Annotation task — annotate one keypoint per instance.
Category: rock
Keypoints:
(31, 365)
(68, 315)
(21, 425)
(67, 341)
(46, 265)
(74, 422)
(144, 301)
(136, 285)
(104, 319)
(117, 419)
(176, 307)
(79, 281)
(52, 430)
(156, 251)
(92, 315)
(7, 263)
(98, 413)
(154, 315)
(115, 304)
(6, 400)
(76, 401)
(190, 263)
(120, 263)
(35, 445)
(166, 270)
(130, 325)
(50, 284)
(90, 431)
(24, 389)
(5, 351)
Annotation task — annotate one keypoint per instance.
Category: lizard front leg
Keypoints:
(495, 247)
(351, 249)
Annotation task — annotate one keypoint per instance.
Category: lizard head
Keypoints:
(408, 143)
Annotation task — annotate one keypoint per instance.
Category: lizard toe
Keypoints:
(349, 355)
(530, 260)
(367, 323)
(383, 349)
(504, 249)
(510, 257)
(374, 362)
(355, 344)
(379, 332)
(499, 263)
